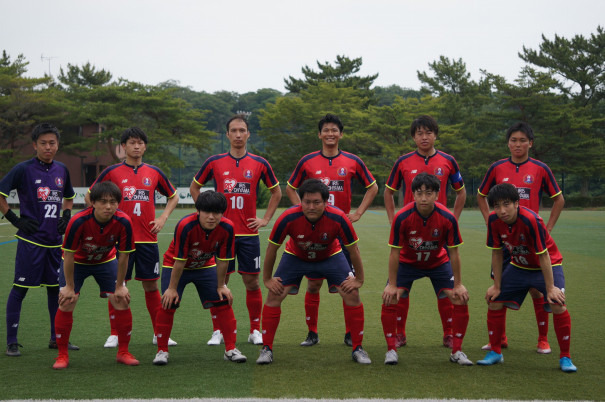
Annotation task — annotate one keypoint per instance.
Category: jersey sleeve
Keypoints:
(488, 182)
(363, 174)
(279, 231)
(347, 232)
(126, 242)
(205, 173)
(227, 247)
(395, 178)
(549, 183)
(455, 176)
(68, 192)
(454, 239)
(164, 185)
(11, 180)
(298, 175)
(395, 238)
(268, 176)
(493, 237)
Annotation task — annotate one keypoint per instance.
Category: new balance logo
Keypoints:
(566, 338)
(125, 181)
(226, 173)
(414, 171)
(505, 179)
(318, 172)
(300, 236)
(38, 181)
(89, 238)
(21, 279)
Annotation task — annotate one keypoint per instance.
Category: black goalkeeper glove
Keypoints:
(63, 221)
(27, 225)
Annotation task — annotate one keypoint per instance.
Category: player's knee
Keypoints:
(314, 286)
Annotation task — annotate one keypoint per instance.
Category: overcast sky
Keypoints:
(243, 46)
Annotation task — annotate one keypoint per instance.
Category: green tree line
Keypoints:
(560, 92)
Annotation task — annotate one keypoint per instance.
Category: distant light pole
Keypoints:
(48, 58)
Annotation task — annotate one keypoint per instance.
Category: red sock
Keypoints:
(402, 313)
(311, 310)
(356, 322)
(388, 317)
(63, 324)
(163, 325)
(541, 319)
(123, 323)
(153, 300)
(495, 324)
(562, 324)
(112, 312)
(446, 312)
(459, 325)
(228, 325)
(271, 316)
(215, 323)
(254, 302)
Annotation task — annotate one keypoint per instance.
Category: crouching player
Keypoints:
(89, 249)
(419, 232)
(313, 250)
(199, 253)
(535, 263)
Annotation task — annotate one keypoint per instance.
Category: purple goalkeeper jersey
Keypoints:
(41, 188)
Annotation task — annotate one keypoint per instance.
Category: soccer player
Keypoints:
(535, 263)
(313, 250)
(425, 158)
(237, 174)
(138, 183)
(336, 169)
(200, 253)
(44, 188)
(89, 249)
(532, 178)
(419, 233)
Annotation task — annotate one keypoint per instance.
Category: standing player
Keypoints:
(44, 188)
(532, 178)
(237, 174)
(425, 158)
(138, 182)
(313, 250)
(419, 233)
(535, 263)
(89, 249)
(200, 253)
(336, 169)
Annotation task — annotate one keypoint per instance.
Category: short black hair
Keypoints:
(133, 132)
(211, 201)
(523, 127)
(431, 182)
(424, 121)
(241, 117)
(314, 186)
(105, 188)
(44, 128)
(331, 118)
(502, 192)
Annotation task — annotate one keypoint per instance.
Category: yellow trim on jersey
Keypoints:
(189, 269)
(173, 194)
(5, 195)
(96, 263)
(276, 184)
(277, 244)
(179, 259)
(494, 248)
(38, 286)
(455, 245)
(371, 184)
(392, 245)
(225, 259)
(481, 194)
(197, 181)
(459, 188)
(37, 244)
(542, 252)
(331, 255)
(532, 269)
(389, 187)
(69, 198)
(246, 235)
(350, 244)
(553, 196)
(295, 188)
(146, 242)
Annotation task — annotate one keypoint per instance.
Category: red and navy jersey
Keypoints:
(421, 239)
(313, 241)
(525, 239)
(238, 179)
(531, 178)
(138, 186)
(41, 188)
(95, 243)
(440, 164)
(198, 246)
(336, 172)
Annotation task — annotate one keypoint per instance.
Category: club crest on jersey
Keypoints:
(528, 179)
(147, 181)
(435, 233)
(324, 236)
(131, 193)
(415, 242)
(248, 174)
(522, 238)
(59, 182)
(439, 171)
(342, 172)
(43, 193)
(325, 180)
(195, 253)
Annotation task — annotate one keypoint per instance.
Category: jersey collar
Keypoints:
(330, 157)
(135, 168)
(510, 159)
(426, 157)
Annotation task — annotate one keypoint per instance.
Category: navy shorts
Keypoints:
(105, 274)
(36, 266)
(516, 282)
(441, 277)
(292, 269)
(247, 250)
(347, 255)
(145, 261)
(204, 280)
